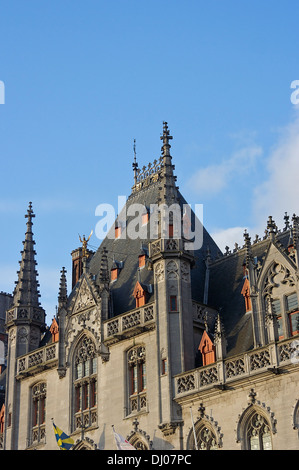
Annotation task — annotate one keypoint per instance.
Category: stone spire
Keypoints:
(62, 295)
(135, 164)
(169, 190)
(26, 292)
(104, 270)
(26, 316)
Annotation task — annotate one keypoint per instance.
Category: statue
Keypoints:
(84, 244)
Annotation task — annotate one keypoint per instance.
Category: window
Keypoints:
(294, 323)
(258, 433)
(38, 418)
(145, 218)
(114, 274)
(139, 294)
(137, 378)
(276, 306)
(117, 232)
(291, 302)
(173, 303)
(205, 438)
(280, 327)
(141, 261)
(164, 366)
(85, 384)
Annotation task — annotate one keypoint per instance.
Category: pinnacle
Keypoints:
(26, 291)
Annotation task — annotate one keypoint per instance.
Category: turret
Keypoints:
(25, 323)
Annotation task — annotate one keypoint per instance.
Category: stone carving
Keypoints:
(113, 327)
(171, 245)
(172, 270)
(208, 376)
(159, 272)
(148, 313)
(185, 272)
(259, 360)
(22, 335)
(235, 368)
(84, 298)
(131, 320)
(277, 274)
(186, 383)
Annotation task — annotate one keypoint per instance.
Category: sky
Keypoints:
(80, 80)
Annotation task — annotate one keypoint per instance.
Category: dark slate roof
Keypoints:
(127, 251)
(225, 286)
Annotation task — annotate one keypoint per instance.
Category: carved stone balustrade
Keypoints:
(37, 360)
(129, 324)
(265, 360)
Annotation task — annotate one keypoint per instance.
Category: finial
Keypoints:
(165, 137)
(271, 227)
(62, 295)
(135, 164)
(287, 221)
(30, 213)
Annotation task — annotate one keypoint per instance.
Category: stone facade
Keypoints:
(107, 362)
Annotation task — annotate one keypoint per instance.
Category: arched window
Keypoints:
(85, 384)
(136, 361)
(205, 437)
(38, 413)
(258, 433)
(138, 443)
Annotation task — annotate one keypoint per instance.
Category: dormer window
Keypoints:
(54, 330)
(207, 349)
(246, 294)
(118, 231)
(145, 218)
(114, 274)
(141, 260)
(139, 294)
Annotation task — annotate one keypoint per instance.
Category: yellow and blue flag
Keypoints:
(64, 441)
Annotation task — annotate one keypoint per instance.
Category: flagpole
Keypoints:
(195, 438)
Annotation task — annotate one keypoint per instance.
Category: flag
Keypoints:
(63, 440)
(121, 442)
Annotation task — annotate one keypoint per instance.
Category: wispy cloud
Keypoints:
(277, 194)
(229, 237)
(213, 179)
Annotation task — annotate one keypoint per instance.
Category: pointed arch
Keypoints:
(136, 379)
(256, 427)
(208, 435)
(85, 444)
(139, 438)
(84, 378)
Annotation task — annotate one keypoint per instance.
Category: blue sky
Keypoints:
(83, 79)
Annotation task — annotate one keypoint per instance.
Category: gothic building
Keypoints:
(178, 348)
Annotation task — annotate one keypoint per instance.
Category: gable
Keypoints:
(277, 269)
(85, 297)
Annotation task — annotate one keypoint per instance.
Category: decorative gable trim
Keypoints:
(85, 298)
